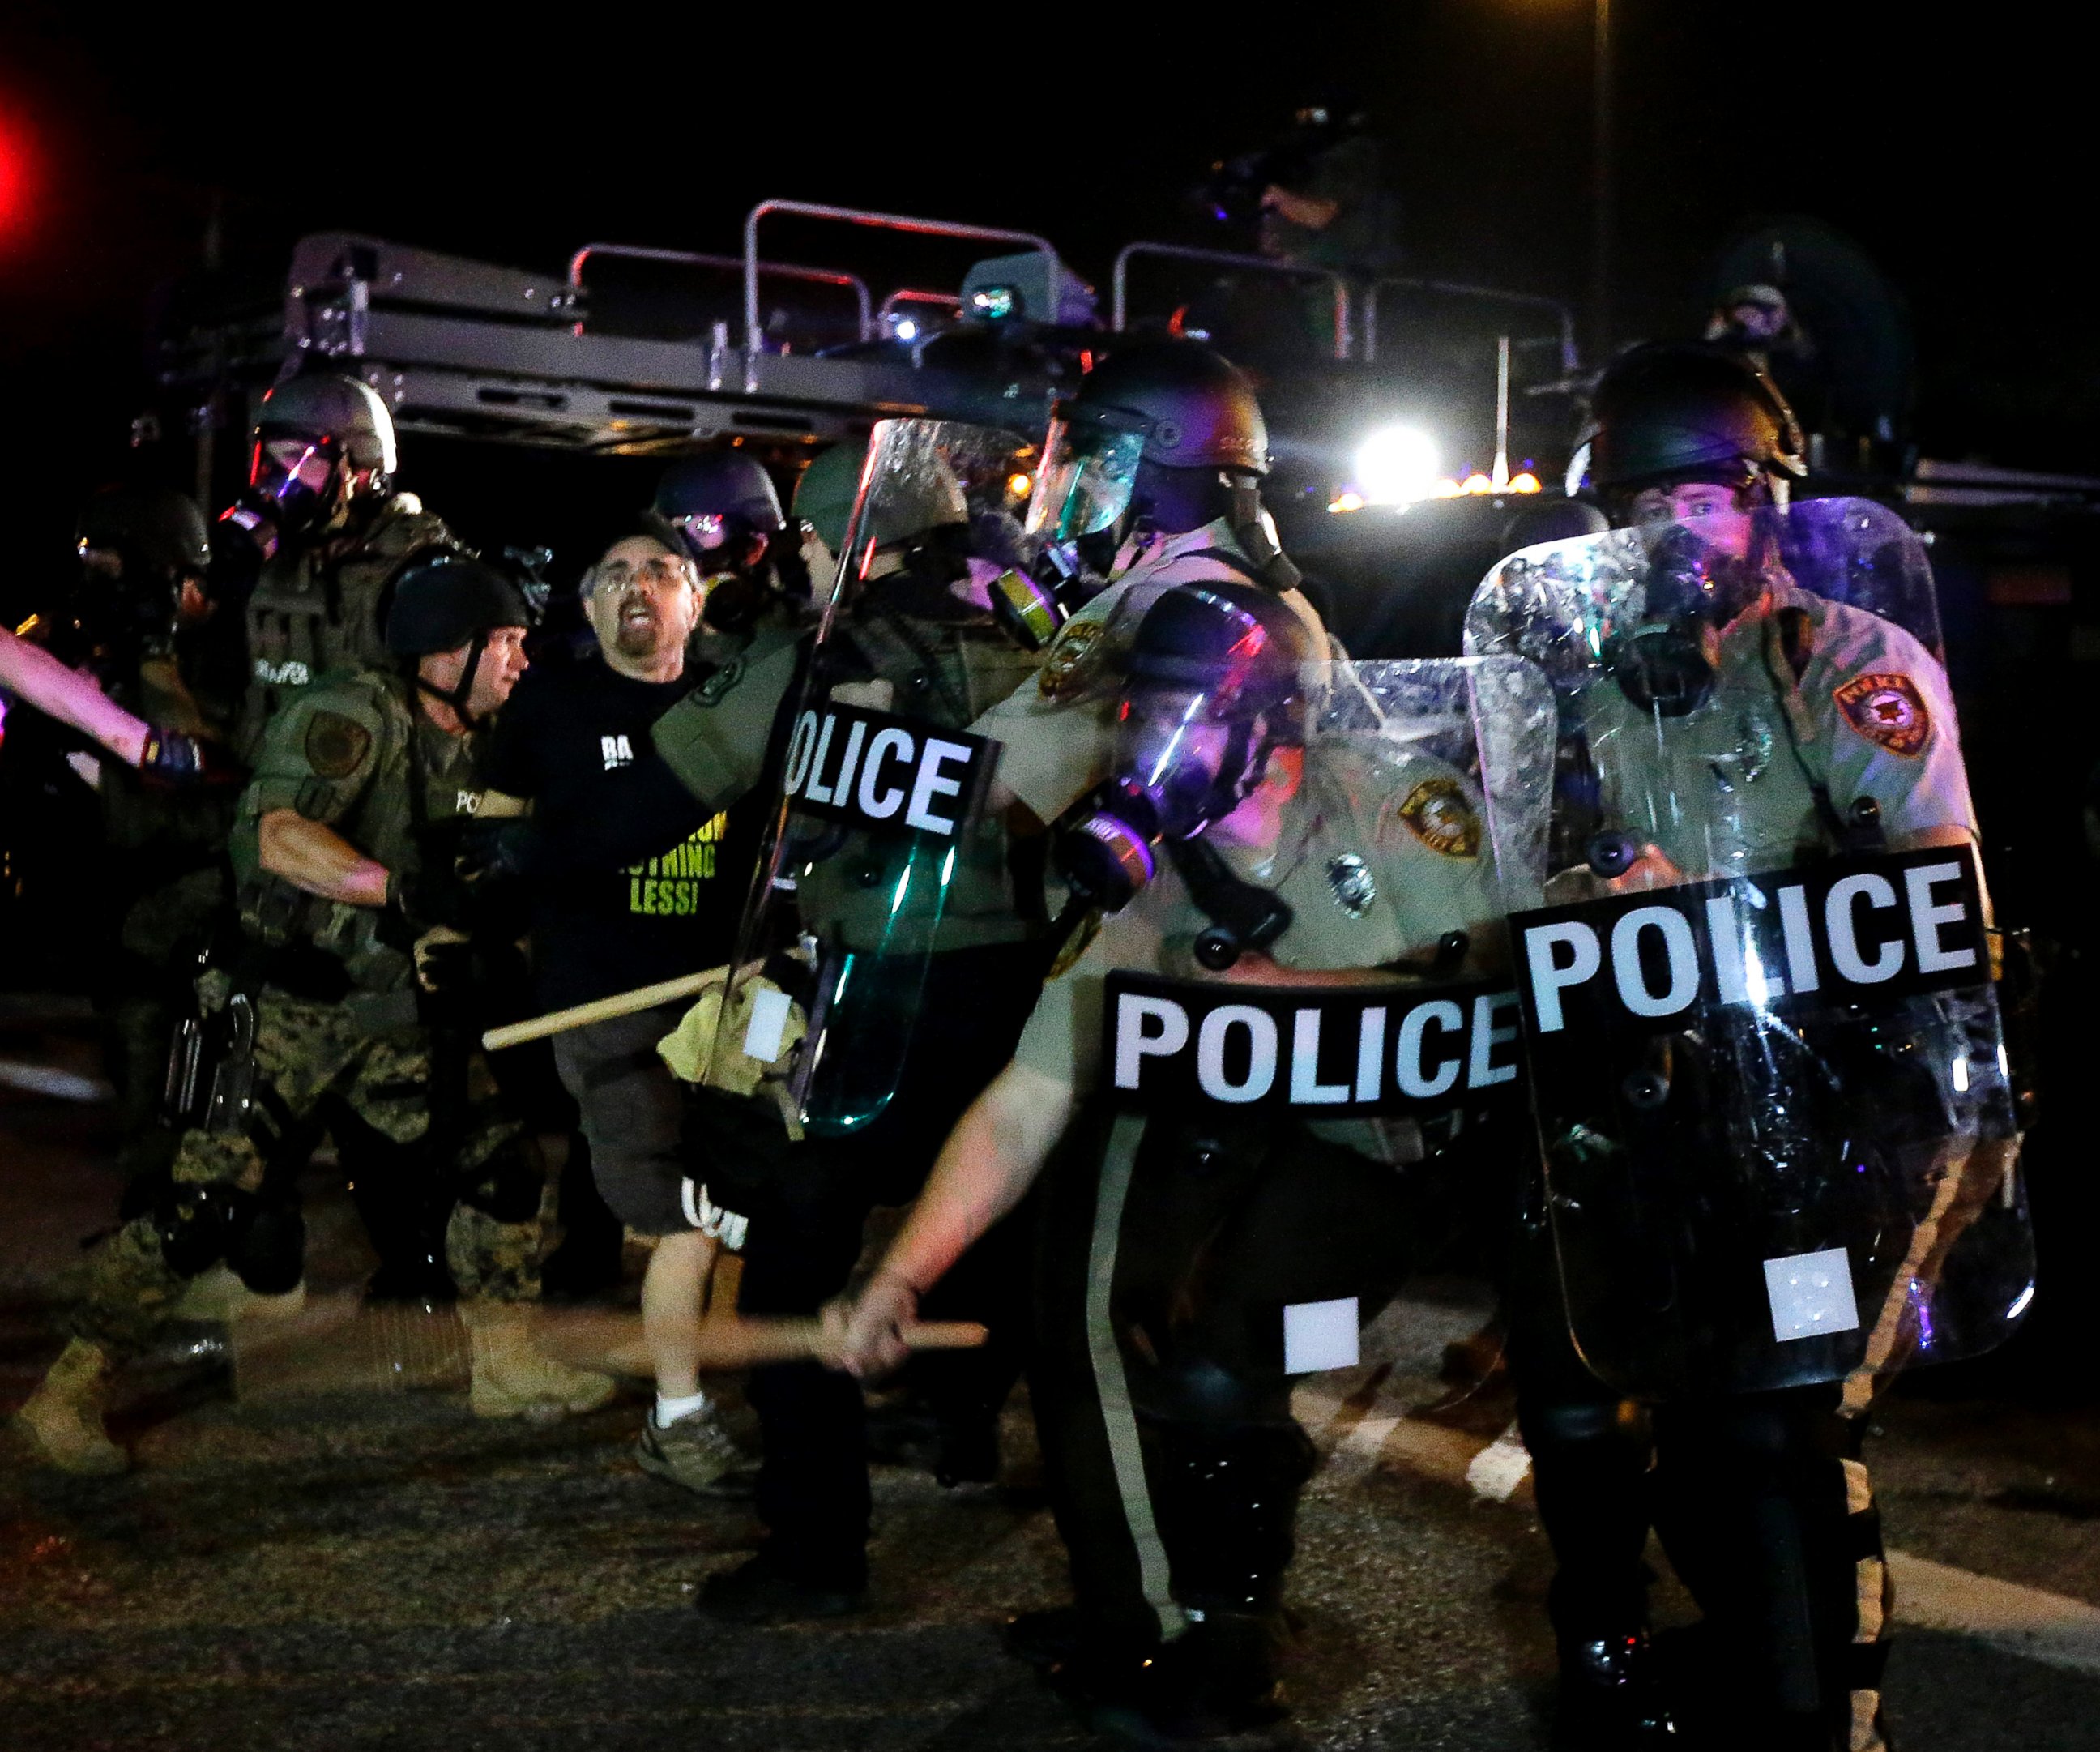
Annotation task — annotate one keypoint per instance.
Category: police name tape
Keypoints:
(1339, 1050)
(1853, 930)
(871, 769)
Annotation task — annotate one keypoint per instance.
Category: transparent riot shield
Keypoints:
(1764, 1048)
(1369, 868)
(881, 835)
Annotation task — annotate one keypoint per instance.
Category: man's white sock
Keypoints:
(670, 1410)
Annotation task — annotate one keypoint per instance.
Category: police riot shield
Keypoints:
(880, 824)
(1383, 851)
(1763, 1046)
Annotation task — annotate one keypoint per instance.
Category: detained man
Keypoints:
(633, 882)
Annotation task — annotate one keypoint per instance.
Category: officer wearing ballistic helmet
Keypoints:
(1230, 841)
(320, 530)
(141, 621)
(949, 943)
(1150, 478)
(721, 511)
(341, 851)
(1780, 725)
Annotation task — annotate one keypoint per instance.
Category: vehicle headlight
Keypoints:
(1396, 465)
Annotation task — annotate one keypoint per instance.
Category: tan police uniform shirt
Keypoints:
(1720, 792)
(1056, 731)
(1382, 851)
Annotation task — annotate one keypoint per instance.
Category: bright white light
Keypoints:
(907, 329)
(1397, 465)
(1961, 1070)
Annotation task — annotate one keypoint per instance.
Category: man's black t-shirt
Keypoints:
(634, 882)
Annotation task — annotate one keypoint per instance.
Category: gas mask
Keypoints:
(1184, 760)
(1662, 666)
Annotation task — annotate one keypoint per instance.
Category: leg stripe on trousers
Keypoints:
(1110, 1385)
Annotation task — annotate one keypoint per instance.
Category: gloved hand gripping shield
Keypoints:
(1765, 1052)
(882, 787)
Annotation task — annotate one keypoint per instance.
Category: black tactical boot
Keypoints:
(1214, 1682)
(1611, 1697)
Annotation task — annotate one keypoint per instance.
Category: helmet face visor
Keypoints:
(295, 474)
(702, 532)
(1090, 458)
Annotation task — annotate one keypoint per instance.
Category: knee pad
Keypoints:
(1226, 1507)
(1603, 1428)
(507, 1183)
(269, 1255)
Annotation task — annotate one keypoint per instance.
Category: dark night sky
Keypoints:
(1952, 154)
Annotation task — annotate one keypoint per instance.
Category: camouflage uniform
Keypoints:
(346, 752)
(316, 607)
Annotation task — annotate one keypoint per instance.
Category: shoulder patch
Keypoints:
(1888, 710)
(1067, 669)
(336, 745)
(1438, 813)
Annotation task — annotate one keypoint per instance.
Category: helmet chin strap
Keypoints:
(457, 697)
(1272, 565)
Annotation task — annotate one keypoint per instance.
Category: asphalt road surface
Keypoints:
(318, 1548)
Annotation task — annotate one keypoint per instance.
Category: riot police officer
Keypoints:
(1151, 478)
(143, 622)
(343, 854)
(1736, 722)
(1247, 857)
(321, 529)
(721, 510)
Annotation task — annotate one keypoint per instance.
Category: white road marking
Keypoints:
(2022, 1620)
(47, 1079)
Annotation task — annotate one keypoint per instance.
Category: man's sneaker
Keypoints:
(758, 1592)
(697, 1453)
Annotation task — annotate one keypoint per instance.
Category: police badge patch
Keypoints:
(335, 744)
(1888, 711)
(1065, 669)
(1437, 814)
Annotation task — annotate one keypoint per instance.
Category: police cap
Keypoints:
(1200, 407)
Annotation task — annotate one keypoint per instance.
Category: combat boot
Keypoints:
(63, 1416)
(217, 1293)
(512, 1379)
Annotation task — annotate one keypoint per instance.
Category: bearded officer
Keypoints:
(1747, 724)
(349, 906)
(1173, 1244)
(319, 532)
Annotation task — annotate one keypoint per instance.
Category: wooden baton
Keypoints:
(601, 1009)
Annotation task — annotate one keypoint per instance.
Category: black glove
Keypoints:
(496, 851)
(424, 899)
(174, 758)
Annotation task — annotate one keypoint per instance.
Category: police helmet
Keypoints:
(155, 527)
(344, 411)
(1674, 411)
(443, 600)
(824, 494)
(1200, 407)
(715, 500)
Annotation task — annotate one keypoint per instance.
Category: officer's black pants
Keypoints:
(1169, 1250)
(1761, 1505)
(808, 1204)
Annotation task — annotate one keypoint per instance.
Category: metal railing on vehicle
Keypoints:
(754, 335)
(728, 264)
(1570, 360)
(1118, 305)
